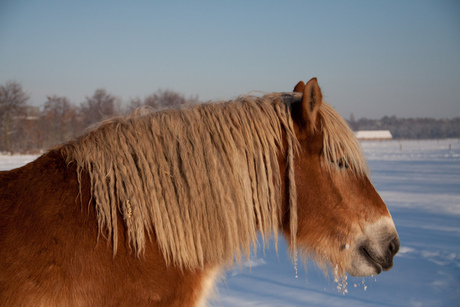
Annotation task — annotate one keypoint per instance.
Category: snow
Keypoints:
(420, 182)
(8, 162)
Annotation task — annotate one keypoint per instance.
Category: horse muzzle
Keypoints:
(375, 249)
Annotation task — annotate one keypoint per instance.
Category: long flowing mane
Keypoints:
(169, 173)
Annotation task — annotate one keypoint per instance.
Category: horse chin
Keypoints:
(363, 266)
(374, 249)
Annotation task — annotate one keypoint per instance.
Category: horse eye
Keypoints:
(342, 163)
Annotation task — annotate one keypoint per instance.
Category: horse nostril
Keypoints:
(394, 246)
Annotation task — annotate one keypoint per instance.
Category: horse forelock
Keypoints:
(203, 180)
(340, 145)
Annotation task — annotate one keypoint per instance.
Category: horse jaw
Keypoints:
(374, 248)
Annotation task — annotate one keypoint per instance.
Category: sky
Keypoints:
(371, 58)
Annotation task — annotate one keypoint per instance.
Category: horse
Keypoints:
(149, 209)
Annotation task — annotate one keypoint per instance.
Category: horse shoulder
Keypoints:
(37, 226)
(51, 252)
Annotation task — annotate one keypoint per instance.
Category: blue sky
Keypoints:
(372, 58)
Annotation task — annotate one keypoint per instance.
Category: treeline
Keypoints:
(30, 129)
(410, 128)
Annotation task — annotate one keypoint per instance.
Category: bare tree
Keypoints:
(28, 135)
(161, 99)
(166, 99)
(133, 104)
(59, 117)
(97, 107)
(352, 122)
(12, 101)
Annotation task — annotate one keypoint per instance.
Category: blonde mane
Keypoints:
(340, 145)
(203, 180)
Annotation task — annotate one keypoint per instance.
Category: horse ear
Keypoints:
(299, 87)
(311, 101)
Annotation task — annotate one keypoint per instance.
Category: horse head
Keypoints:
(341, 219)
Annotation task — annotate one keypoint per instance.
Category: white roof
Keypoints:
(373, 134)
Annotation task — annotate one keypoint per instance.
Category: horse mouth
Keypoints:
(367, 255)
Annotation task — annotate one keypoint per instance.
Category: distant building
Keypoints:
(29, 113)
(373, 135)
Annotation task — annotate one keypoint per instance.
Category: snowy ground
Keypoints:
(420, 182)
(10, 162)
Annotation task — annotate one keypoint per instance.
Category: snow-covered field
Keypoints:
(10, 162)
(420, 182)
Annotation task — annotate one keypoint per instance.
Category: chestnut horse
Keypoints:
(146, 210)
